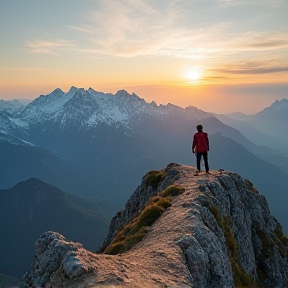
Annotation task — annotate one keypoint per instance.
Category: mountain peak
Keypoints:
(186, 231)
(278, 110)
(122, 93)
(57, 90)
(35, 186)
(25, 209)
(280, 104)
(72, 90)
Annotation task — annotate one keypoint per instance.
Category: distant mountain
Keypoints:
(274, 119)
(11, 106)
(278, 111)
(33, 207)
(268, 127)
(245, 128)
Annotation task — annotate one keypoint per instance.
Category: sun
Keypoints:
(193, 75)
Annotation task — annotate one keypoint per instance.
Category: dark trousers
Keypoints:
(205, 156)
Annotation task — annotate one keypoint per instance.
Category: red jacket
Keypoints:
(200, 142)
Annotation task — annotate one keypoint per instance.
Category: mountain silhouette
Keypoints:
(32, 207)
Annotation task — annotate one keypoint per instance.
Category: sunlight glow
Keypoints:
(193, 75)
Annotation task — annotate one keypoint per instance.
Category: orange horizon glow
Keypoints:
(210, 55)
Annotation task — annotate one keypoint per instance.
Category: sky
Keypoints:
(221, 56)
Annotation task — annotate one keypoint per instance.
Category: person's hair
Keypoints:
(199, 127)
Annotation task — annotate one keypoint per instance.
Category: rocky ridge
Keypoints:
(218, 233)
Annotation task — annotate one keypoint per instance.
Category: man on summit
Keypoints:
(200, 147)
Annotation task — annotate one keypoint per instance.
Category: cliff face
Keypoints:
(214, 231)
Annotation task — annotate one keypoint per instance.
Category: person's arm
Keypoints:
(207, 141)
(194, 144)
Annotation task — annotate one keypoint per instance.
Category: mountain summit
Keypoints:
(176, 230)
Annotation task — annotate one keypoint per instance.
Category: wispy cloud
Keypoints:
(253, 70)
(23, 69)
(87, 29)
(128, 28)
(262, 41)
(49, 47)
(273, 3)
(253, 67)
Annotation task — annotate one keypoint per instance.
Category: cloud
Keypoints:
(49, 47)
(262, 41)
(265, 66)
(23, 69)
(128, 28)
(84, 29)
(273, 3)
(132, 28)
(253, 70)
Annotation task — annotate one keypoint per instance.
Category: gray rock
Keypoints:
(234, 227)
(54, 254)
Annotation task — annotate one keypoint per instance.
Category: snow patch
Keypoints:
(20, 123)
(58, 103)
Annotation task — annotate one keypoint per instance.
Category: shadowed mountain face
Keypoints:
(20, 162)
(33, 207)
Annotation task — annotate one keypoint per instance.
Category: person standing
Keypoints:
(200, 147)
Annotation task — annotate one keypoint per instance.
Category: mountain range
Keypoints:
(96, 136)
(267, 127)
(98, 145)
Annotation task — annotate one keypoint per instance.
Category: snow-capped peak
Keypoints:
(11, 106)
(88, 108)
(122, 93)
(278, 108)
(72, 90)
(280, 105)
(59, 102)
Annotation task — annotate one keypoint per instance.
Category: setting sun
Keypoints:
(193, 75)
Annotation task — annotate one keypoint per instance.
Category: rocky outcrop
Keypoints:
(56, 257)
(234, 240)
(218, 233)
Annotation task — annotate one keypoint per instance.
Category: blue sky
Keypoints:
(149, 47)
